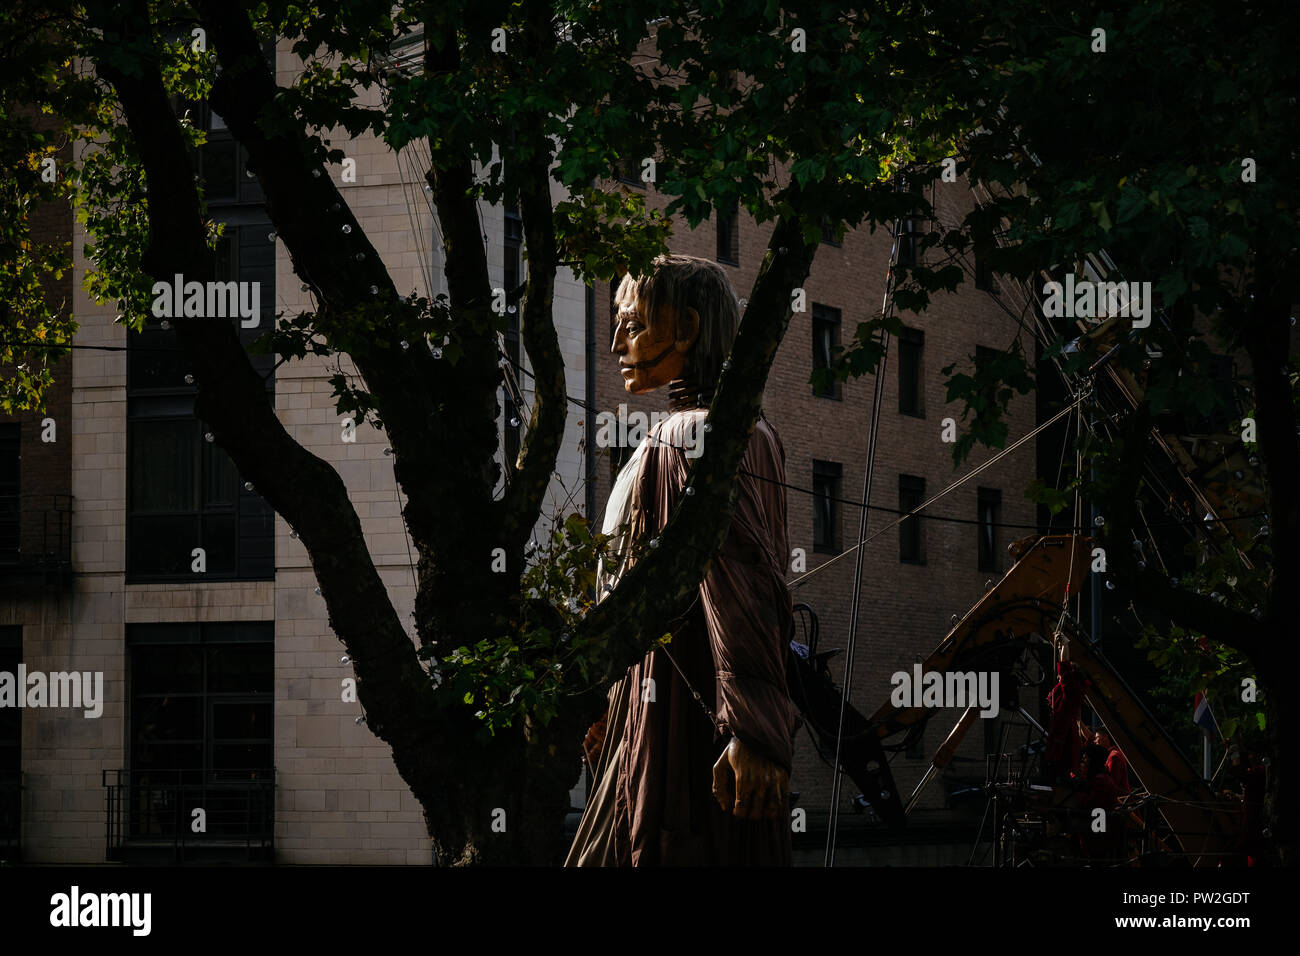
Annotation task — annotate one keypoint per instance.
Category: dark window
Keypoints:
(10, 490)
(984, 356)
(910, 230)
(729, 234)
(11, 744)
(828, 232)
(613, 309)
(629, 171)
(911, 540)
(614, 461)
(201, 722)
(618, 455)
(184, 492)
(513, 277)
(990, 516)
(916, 742)
(826, 507)
(983, 274)
(825, 337)
(222, 163)
(911, 394)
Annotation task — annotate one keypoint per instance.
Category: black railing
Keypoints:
(11, 802)
(152, 813)
(35, 534)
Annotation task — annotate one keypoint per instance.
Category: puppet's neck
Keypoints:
(684, 395)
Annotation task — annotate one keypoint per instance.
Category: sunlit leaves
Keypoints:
(998, 376)
(604, 234)
(40, 99)
(519, 677)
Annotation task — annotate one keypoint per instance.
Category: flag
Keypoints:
(1201, 715)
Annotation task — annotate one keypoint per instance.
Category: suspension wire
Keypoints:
(406, 534)
(410, 200)
(878, 399)
(582, 404)
(952, 487)
(1078, 468)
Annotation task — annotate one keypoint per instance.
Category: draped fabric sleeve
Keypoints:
(745, 602)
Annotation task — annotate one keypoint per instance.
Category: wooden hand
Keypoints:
(594, 742)
(749, 785)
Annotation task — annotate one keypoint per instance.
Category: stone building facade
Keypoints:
(221, 692)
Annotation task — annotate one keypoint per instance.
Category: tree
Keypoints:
(830, 112)
(808, 134)
(1164, 135)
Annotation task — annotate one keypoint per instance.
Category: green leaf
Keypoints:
(1131, 204)
(1102, 216)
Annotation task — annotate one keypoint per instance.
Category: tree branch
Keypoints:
(465, 536)
(310, 214)
(232, 400)
(1186, 608)
(536, 463)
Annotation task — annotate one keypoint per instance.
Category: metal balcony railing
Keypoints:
(152, 813)
(35, 536)
(11, 802)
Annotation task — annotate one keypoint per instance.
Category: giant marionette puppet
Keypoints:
(691, 761)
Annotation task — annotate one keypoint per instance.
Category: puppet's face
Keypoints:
(651, 351)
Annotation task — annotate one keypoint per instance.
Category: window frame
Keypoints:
(911, 530)
(245, 218)
(912, 342)
(731, 234)
(11, 746)
(907, 232)
(984, 281)
(824, 472)
(828, 234)
(990, 560)
(207, 637)
(11, 442)
(826, 316)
